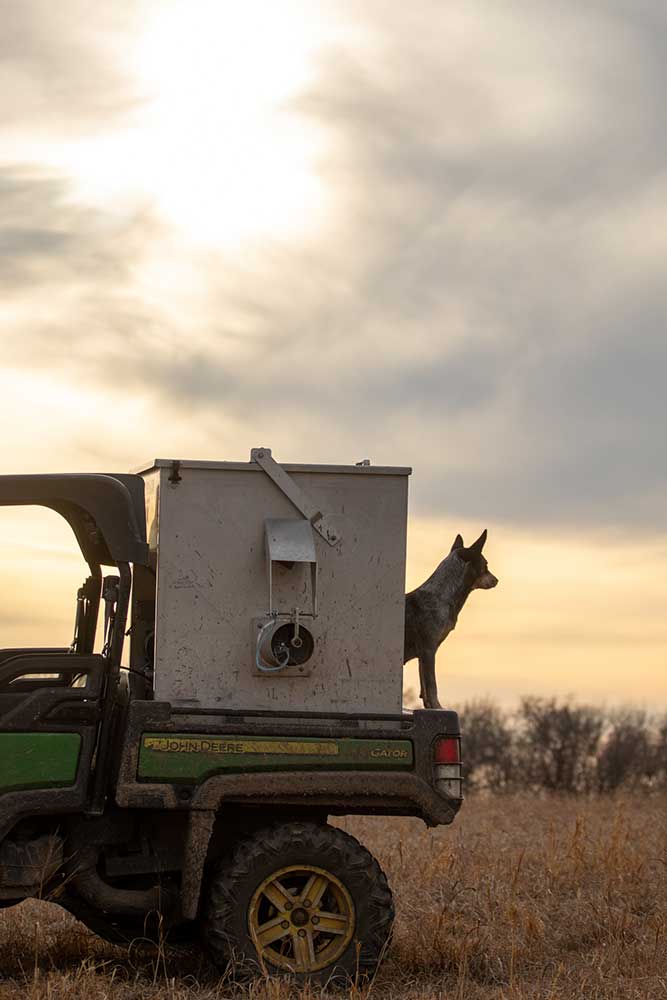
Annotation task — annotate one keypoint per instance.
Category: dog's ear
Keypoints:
(474, 550)
(457, 543)
(476, 547)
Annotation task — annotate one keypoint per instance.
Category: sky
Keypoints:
(430, 234)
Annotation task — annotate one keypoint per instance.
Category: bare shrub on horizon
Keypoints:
(557, 746)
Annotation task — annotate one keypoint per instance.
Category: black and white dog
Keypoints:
(431, 610)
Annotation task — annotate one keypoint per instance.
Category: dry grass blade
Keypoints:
(524, 898)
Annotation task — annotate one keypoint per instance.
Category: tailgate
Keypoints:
(394, 765)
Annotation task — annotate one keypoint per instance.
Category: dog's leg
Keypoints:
(427, 680)
(422, 686)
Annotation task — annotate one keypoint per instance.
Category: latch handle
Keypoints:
(322, 523)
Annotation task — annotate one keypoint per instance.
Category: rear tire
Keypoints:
(299, 899)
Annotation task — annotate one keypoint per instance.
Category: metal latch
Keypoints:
(322, 523)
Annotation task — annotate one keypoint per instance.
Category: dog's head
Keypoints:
(479, 568)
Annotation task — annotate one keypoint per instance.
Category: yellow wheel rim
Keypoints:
(301, 919)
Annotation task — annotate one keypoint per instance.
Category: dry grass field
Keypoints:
(523, 898)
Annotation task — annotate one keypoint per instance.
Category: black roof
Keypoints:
(106, 512)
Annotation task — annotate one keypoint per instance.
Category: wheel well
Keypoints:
(234, 824)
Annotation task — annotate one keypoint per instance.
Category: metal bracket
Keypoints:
(322, 523)
(289, 542)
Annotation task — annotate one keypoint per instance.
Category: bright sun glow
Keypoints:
(215, 145)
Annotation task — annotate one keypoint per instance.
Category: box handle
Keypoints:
(322, 523)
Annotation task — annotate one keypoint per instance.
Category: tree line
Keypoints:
(562, 747)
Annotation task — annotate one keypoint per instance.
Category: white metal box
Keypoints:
(227, 540)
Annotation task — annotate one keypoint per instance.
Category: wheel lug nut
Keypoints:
(302, 933)
(288, 906)
(285, 924)
(306, 902)
(315, 920)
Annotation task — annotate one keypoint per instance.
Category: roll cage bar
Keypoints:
(106, 512)
(107, 515)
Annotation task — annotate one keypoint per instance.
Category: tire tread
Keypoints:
(338, 849)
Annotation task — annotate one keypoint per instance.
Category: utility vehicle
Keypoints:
(182, 782)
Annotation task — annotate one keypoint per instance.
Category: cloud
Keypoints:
(61, 69)
(486, 301)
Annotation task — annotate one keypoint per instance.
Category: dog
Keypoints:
(431, 611)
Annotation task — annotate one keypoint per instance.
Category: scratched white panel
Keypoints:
(212, 582)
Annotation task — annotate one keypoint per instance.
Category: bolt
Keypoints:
(285, 925)
(302, 933)
(288, 906)
(315, 920)
(307, 902)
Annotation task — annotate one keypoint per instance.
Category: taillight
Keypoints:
(447, 750)
(447, 761)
